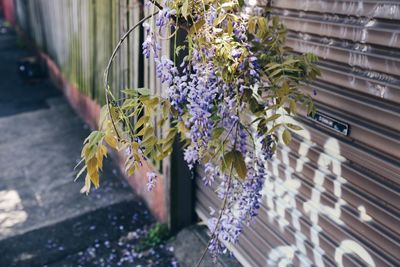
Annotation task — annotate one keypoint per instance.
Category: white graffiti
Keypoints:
(352, 247)
(280, 198)
(281, 256)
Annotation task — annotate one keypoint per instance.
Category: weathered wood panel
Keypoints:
(80, 35)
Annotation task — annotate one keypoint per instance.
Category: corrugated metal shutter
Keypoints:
(333, 199)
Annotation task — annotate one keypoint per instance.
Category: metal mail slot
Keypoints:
(330, 123)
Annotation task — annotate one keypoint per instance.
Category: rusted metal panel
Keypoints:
(333, 198)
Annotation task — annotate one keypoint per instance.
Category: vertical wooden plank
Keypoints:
(103, 45)
(49, 27)
(123, 53)
(134, 45)
(74, 49)
(85, 56)
(57, 37)
(115, 34)
(65, 37)
(93, 50)
(126, 46)
(120, 55)
(21, 14)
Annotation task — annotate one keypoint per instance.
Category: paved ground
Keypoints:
(44, 220)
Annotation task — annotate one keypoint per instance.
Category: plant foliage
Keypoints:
(228, 101)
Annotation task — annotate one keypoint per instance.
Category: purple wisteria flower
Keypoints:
(211, 172)
(147, 46)
(166, 70)
(177, 92)
(191, 156)
(250, 199)
(151, 180)
(164, 16)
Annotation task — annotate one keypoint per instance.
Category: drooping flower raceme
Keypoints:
(211, 96)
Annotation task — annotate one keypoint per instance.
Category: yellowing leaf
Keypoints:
(184, 9)
(294, 127)
(272, 117)
(196, 27)
(91, 166)
(143, 91)
(99, 158)
(111, 141)
(230, 27)
(103, 150)
(86, 188)
(141, 121)
(95, 179)
(166, 107)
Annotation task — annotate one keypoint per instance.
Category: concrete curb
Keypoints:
(189, 245)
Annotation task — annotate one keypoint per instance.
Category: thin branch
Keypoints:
(223, 207)
(156, 4)
(223, 142)
(106, 72)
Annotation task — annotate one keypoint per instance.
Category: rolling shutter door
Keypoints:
(333, 197)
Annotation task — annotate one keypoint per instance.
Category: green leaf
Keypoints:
(216, 133)
(137, 91)
(273, 117)
(170, 136)
(228, 5)
(286, 137)
(185, 8)
(294, 127)
(230, 27)
(292, 107)
(227, 161)
(240, 165)
(143, 91)
(196, 27)
(130, 92)
(234, 159)
(151, 103)
(148, 131)
(220, 19)
(165, 108)
(149, 142)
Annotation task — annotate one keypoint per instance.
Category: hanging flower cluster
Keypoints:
(227, 100)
